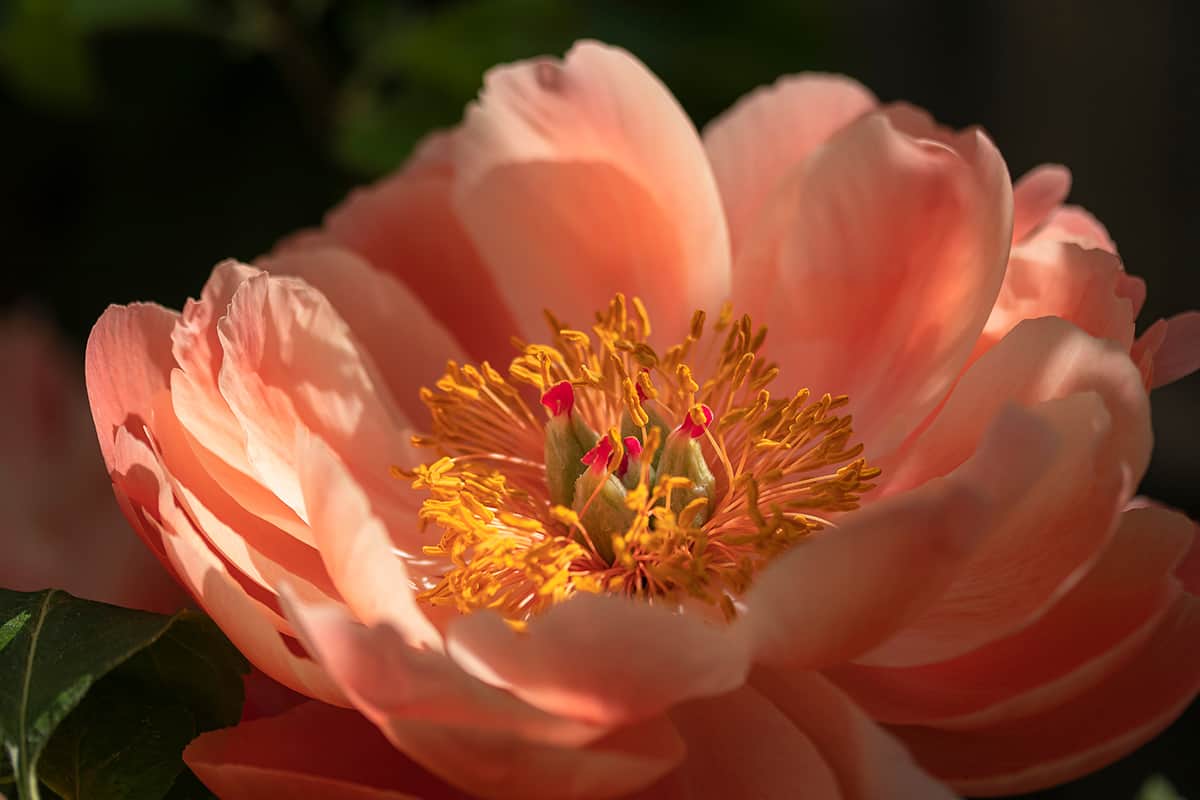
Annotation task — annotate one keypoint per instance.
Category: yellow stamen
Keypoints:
(787, 466)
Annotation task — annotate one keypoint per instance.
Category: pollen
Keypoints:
(671, 477)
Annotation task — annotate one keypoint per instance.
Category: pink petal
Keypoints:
(1051, 535)
(1076, 225)
(1053, 279)
(260, 551)
(1036, 195)
(475, 736)
(214, 433)
(405, 225)
(903, 552)
(315, 751)
(604, 659)
(740, 745)
(869, 763)
(876, 266)
(770, 132)
(408, 345)
(1096, 728)
(1092, 631)
(355, 545)
(128, 362)
(292, 363)
(250, 625)
(127, 365)
(1039, 360)
(1179, 354)
(582, 178)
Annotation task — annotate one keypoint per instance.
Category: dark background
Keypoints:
(144, 140)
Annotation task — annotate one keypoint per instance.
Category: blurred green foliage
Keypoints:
(373, 76)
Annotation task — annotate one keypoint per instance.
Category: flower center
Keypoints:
(637, 479)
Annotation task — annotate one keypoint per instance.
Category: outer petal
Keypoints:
(1074, 224)
(476, 736)
(1051, 535)
(1093, 630)
(604, 659)
(1039, 360)
(406, 226)
(869, 763)
(314, 751)
(584, 178)
(769, 132)
(408, 345)
(1036, 195)
(292, 363)
(1178, 353)
(1098, 727)
(1056, 279)
(251, 625)
(903, 552)
(740, 745)
(876, 267)
(213, 431)
(127, 365)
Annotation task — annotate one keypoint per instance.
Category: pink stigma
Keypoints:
(559, 399)
(691, 427)
(597, 458)
(633, 449)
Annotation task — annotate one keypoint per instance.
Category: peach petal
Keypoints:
(1178, 355)
(312, 750)
(581, 178)
(904, 551)
(1040, 359)
(292, 363)
(251, 626)
(869, 763)
(771, 131)
(260, 551)
(1074, 224)
(128, 362)
(356, 547)
(213, 432)
(1051, 535)
(1096, 728)
(740, 745)
(1036, 195)
(1123, 598)
(877, 265)
(473, 735)
(408, 345)
(603, 659)
(406, 226)
(1054, 279)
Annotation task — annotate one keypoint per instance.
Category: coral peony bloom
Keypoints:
(710, 554)
(61, 528)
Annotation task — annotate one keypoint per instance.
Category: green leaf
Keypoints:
(105, 699)
(1158, 788)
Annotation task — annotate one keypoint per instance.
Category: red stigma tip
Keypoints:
(597, 458)
(559, 399)
(691, 427)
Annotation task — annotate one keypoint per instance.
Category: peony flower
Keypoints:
(761, 461)
(61, 527)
